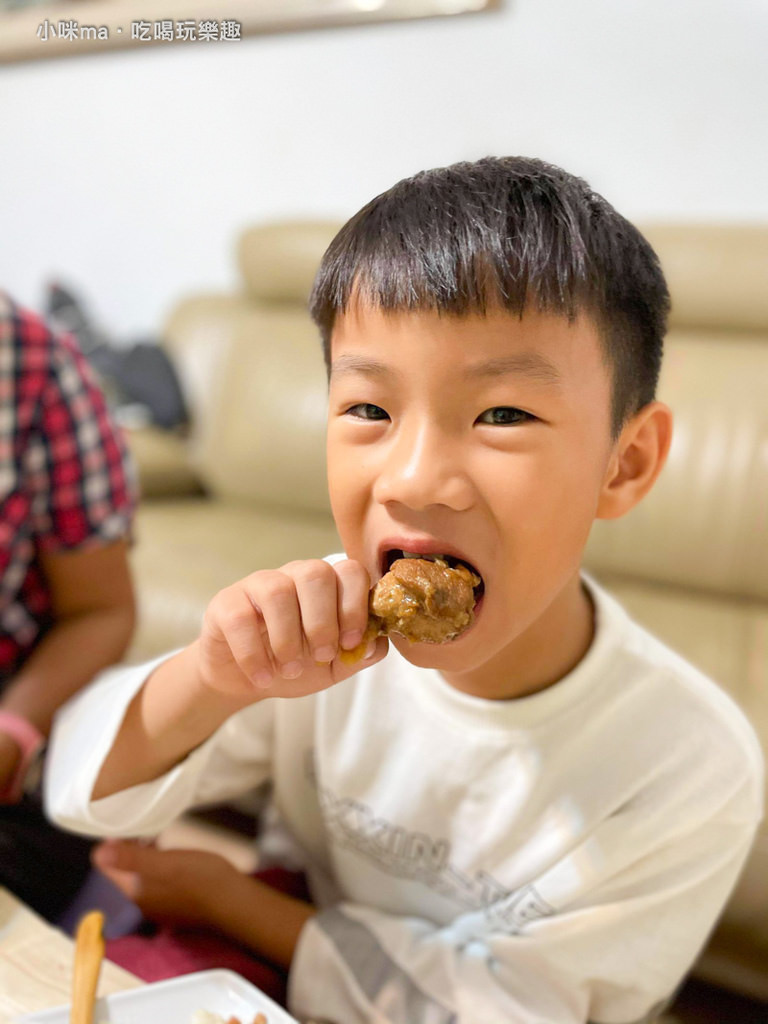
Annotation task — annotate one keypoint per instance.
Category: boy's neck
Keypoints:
(541, 656)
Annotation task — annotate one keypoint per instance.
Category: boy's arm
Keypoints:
(276, 633)
(171, 726)
(261, 918)
(170, 715)
(236, 758)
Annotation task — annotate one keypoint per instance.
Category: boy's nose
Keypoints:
(423, 469)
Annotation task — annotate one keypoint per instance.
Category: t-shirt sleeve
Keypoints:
(616, 955)
(236, 758)
(82, 479)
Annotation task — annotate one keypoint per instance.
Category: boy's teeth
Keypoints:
(415, 554)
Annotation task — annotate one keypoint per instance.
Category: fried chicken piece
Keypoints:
(423, 600)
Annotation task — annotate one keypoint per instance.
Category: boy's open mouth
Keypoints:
(391, 555)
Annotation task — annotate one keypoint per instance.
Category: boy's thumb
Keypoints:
(107, 858)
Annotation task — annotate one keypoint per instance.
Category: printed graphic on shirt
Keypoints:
(517, 909)
(353, 825)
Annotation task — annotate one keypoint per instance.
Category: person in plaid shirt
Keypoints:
(67, 497)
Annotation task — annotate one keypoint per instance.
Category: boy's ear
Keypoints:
(637, 459)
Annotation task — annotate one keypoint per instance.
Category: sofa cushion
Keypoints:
(162, 460)
(197, 337)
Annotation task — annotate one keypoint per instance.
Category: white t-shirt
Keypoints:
(554, 859)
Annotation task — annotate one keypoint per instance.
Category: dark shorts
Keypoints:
(39, 863)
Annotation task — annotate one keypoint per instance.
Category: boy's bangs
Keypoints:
(509, 247)
(457, 283)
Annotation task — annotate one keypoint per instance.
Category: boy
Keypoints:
(538, 821)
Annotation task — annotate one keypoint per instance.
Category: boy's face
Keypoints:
(483, 437)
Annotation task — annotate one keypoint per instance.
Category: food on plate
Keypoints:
(424, 599)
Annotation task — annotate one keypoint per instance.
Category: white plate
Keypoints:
(176, 1000)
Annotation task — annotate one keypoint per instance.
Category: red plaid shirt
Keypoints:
(65, 481)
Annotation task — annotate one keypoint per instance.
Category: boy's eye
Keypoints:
(504, 415)
(367, 411)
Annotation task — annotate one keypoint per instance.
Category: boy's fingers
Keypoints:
(118, 861)
(245, 633)
(128, 882)
(274, 595)
(125, 854)
(112, 853)
(316, 585)
(276, 623)
(354, 584)
(254, 657)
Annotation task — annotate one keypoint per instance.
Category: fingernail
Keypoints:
(350, 640)
(263, 679)
(370, 650)
(291, 670)
(325, 654)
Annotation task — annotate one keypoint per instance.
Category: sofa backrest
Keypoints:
(252, 369)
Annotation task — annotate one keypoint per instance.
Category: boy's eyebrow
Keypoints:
(525, 364)
(359, 364)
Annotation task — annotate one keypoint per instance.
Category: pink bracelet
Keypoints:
(30, 741)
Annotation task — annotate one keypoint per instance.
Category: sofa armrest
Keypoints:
(162, 463)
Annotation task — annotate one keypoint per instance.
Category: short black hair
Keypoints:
(509, 232)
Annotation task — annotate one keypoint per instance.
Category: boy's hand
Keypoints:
(169, 886)
(278, 633)
(193, 888)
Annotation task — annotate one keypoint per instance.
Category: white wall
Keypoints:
(128, 175)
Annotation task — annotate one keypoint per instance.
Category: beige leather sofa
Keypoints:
(246, 489)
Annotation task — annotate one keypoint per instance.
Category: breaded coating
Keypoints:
(422, 600)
